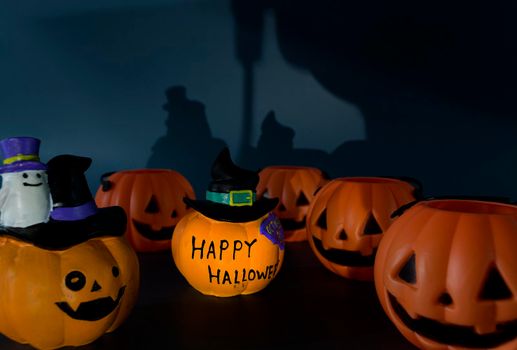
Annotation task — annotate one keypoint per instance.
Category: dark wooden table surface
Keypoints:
(305, 307)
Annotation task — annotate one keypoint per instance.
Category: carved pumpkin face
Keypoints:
(347, 219)
(294, 187)
(153, 201)
(446, 275)
(225, 259)
(67, 297)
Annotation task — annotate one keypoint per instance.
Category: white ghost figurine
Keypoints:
(24, 193)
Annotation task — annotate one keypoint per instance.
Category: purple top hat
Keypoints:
(20, 153)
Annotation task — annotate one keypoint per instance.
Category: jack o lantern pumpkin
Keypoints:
(446, 274)
(347, 219)
(55, 298)
(226, 259)
(294, 186)
(153, 201)
(231, 243)
(72, 279)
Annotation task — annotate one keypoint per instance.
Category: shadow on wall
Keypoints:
(275, 144)
(435, 82)
(275, 147)
(188, 145)
(108, 65)
(190, 148)
(436, 95)
(435, 88)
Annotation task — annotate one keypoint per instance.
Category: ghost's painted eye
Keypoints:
(38, 175)
(25, 175)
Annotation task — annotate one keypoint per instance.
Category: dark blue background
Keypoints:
(424, 90)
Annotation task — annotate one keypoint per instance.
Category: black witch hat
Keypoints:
(231, 195)
(75, 217)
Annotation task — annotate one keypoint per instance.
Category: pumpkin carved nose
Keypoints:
(445, 299)
(96, 286)
(152, 206)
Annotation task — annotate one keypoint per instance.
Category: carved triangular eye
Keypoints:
(281, 207)
(322, 220)
(372, 226)
(302, 200)
(495, 287)
(174, 214)
(445, 299)
(408, 272)
(266, 194)
(152, 206)
(342, 235)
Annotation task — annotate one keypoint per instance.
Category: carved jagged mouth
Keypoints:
(344, 257)
(92, 310)
(165, 233)
(32, 185)
(292, 225)
(449, 334)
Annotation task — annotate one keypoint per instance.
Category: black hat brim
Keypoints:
(223, 212)
(59, 235)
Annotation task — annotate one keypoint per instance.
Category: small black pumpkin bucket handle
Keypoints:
(106, 184)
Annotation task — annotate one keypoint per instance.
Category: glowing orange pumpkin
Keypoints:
(347, 219)
(55, 298)
(224, 258)
(446, 275)
(294, 186)
(153, 201)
